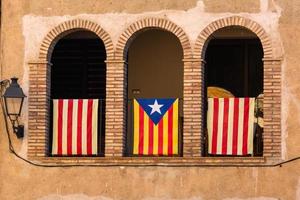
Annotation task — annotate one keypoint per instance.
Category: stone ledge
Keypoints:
(154, 161)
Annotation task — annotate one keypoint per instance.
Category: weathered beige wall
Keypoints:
(155, 65)
(26, 22)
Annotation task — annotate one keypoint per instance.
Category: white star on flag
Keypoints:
(156, 107)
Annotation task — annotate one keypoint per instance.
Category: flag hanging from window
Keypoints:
(230, 126)
(75, 127)
(155, 127)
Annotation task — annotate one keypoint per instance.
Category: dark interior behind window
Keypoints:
(235, 65)
(79, 72)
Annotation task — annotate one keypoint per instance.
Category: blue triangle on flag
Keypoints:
(156, 108)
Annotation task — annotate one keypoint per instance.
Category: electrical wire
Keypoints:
(12, 150)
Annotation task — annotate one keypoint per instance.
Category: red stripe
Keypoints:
(170, 131)
(225, 126)
(59, 126)
(79, 128)
(150, 137)
(235, 126)
(89, 127)
(141, 130)
(215, 126)
(69, 128)
(160, 137)
(245, 127)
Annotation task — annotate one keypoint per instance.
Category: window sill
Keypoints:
(155, 161)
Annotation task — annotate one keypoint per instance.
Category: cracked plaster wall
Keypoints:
(25, 23)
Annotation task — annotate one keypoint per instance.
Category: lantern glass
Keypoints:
(13, 106)
(13, 98)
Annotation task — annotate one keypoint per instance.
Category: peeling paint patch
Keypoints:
(191, 21)
(264, 4)
(73, 197)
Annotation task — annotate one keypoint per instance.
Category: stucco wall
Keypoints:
(24, 25)
(155, 65)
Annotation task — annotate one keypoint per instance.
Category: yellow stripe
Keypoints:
(175, 127)
(220, 125)
(155, 139)
(146, 134)
(55, 118)
(136, 127)
(240, 127)
(250, 125)
(210, 112)
(165, 134)
(84, 126)
(74, 127)
(95, 127)
(65, 127)
(230, 126)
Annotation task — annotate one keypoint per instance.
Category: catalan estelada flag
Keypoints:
(155, 127)
(75, 127)
(230, 126)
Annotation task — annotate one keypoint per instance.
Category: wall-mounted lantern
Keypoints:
(13, 98)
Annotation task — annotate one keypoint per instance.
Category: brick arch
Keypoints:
(204, 37)
(132, 31)
(70, 26)
(271, 80)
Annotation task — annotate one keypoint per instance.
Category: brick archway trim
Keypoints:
(204, 36)
(165, 24)
(272, 80)
(67, 27)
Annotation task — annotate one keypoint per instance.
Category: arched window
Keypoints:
(155, 72)
(78, 77)
(234, 75)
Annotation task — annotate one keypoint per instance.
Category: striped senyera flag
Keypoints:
(155, 127)
(230, 126)
(75, 127)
